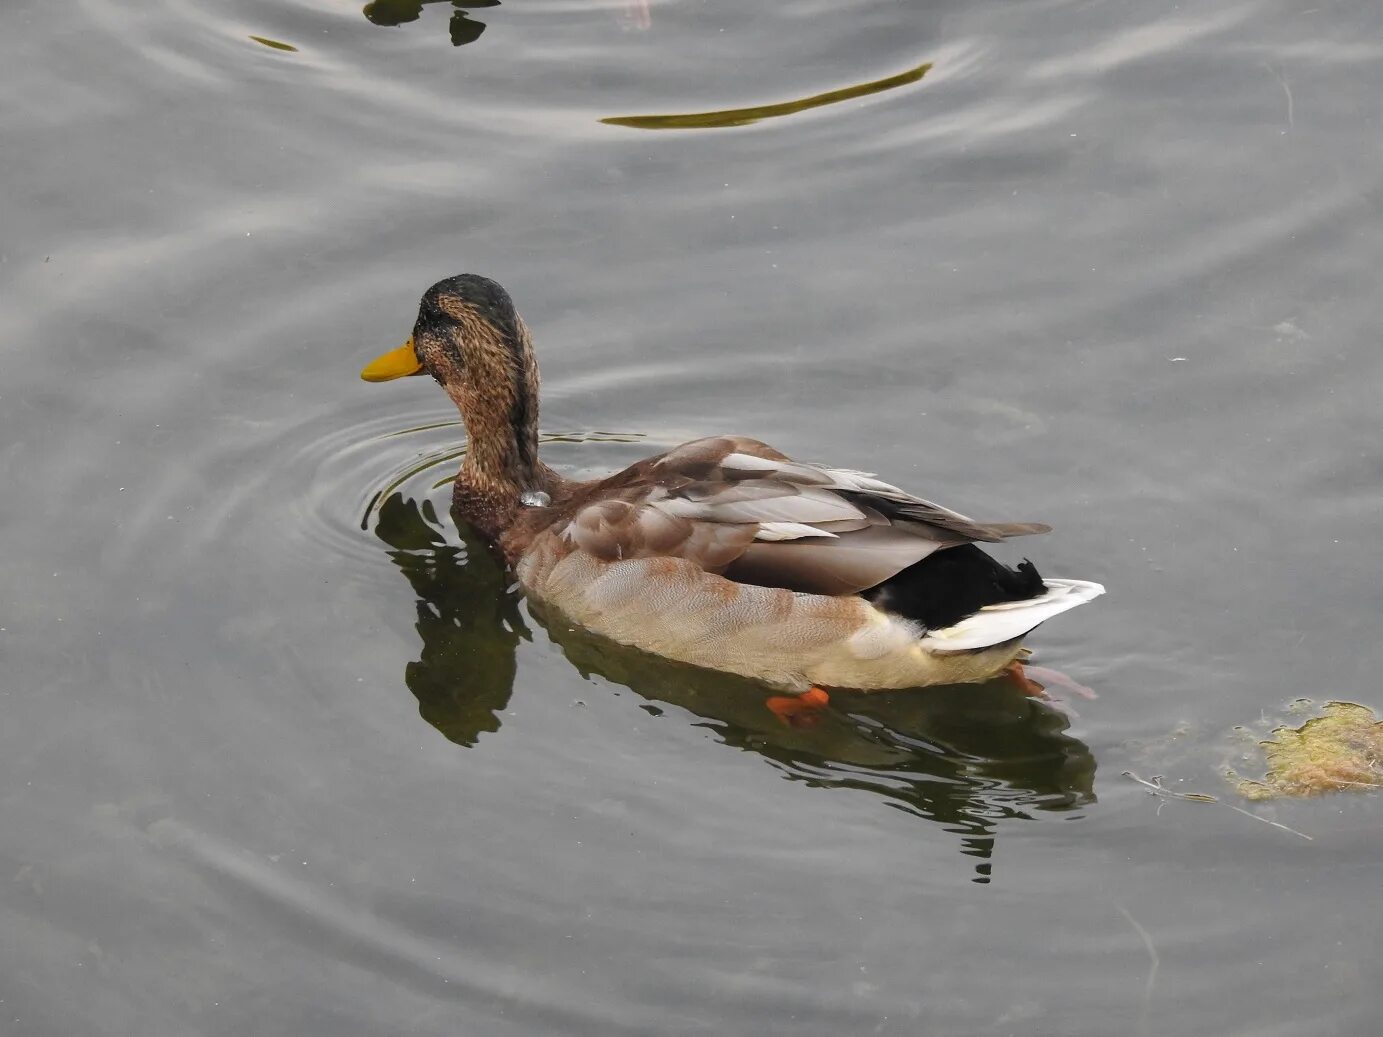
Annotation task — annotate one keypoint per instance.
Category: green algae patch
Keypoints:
(1340, 750)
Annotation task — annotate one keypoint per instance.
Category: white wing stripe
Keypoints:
(790, 531)
(750, 463)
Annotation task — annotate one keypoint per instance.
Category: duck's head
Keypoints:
(466, 325)
(469, 337)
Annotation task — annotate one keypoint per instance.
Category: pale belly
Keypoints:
(790, 640)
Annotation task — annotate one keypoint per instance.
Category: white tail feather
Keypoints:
(995, 624)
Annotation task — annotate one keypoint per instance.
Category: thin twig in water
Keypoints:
(1155, 786)
(1285, 89)
(1275, 824)
(1152, 968)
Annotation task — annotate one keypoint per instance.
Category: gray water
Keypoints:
(282, 752)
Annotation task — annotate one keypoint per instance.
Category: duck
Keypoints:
(725, 553)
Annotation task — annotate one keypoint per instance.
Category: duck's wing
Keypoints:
(741, 509)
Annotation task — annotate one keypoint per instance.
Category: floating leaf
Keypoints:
(745, 116)
(275, 44)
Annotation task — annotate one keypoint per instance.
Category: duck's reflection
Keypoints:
(968, 758)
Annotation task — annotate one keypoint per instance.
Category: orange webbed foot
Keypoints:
(1014, 672)
(802, 710)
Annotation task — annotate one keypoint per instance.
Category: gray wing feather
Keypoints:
(707, 501)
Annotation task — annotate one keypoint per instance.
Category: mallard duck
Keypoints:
(724, 552)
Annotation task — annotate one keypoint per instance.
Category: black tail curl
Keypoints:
(953, 583)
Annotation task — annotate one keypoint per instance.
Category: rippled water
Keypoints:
(283, 753)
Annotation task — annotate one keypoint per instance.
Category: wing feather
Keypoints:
(736, 506)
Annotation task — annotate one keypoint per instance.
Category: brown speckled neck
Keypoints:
(491, 505)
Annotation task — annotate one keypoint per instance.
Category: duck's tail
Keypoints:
(995, 624)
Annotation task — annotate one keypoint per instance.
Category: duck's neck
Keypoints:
(501, 459)
(501, 421)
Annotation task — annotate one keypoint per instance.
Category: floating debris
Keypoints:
(1156, 787)
(744, 116)
(276, 44)
(1340, 750)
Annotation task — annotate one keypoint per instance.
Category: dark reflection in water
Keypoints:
(469, 618)
(968, 758)
(398, 12)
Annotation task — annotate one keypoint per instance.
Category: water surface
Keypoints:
(283, 753)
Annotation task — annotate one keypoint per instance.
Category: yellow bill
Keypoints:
(394, 364)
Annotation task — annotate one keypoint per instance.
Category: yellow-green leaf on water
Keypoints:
(1340, 750)
(275, 44)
